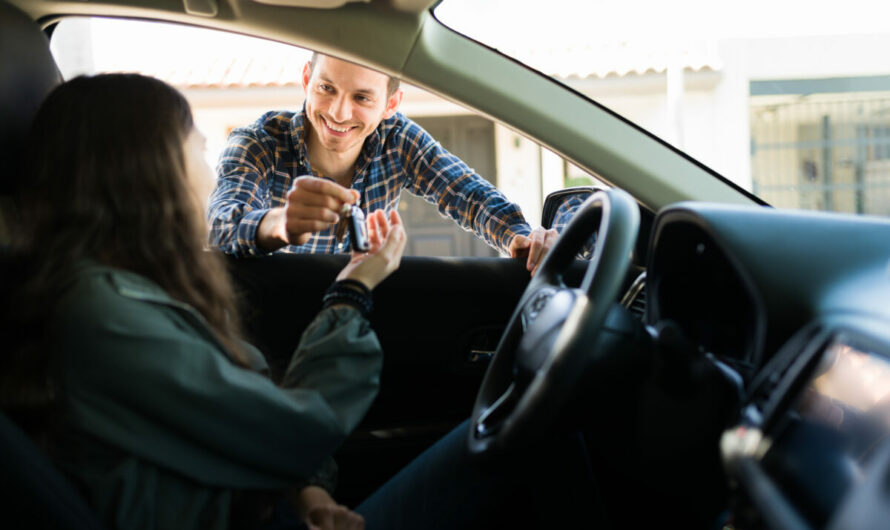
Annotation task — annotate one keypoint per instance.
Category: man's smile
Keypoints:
(334, 128)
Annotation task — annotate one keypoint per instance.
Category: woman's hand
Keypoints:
(321, 512)
(387, 243)
(333, 517)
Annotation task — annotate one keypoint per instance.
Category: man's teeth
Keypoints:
(338, 129)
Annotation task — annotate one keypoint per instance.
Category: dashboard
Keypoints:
(796, 304)
(696, 286)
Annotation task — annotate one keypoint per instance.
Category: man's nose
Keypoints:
(340, 109)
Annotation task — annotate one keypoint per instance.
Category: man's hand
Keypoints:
(534, 246)
(387, 243)
(321, 512)
(313, 204)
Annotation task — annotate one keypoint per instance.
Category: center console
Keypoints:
(813, 447)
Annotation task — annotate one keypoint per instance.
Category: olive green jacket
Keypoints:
(163, 428)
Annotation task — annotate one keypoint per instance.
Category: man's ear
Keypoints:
(392, 104)
(307, 74)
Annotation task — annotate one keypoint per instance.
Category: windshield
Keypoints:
(790, 100)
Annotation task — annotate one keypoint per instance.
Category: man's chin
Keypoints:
(339, 145)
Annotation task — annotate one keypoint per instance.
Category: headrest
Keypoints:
(27, 74)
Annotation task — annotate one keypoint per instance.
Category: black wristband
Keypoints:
(349, 292)
(355, 284)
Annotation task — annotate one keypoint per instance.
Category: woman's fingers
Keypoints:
(382, 224)
(394, 218)
(374, 239)
(394, 244)
(378, 229)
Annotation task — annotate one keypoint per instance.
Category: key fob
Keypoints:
(358, 230)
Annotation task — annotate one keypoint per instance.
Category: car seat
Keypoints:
(33, 493)
(27, 74)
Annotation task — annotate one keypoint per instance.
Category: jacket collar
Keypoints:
(132, 285)
(137, 287)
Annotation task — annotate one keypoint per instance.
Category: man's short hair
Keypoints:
(392, 83)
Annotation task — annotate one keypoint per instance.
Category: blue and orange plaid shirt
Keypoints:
(260, 162)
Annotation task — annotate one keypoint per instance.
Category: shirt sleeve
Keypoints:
(459, 192)
(140, 380)
(239, 201)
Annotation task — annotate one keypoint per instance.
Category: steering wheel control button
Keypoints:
(534, 307)
(537, 342)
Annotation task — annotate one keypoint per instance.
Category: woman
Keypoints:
(131, 369)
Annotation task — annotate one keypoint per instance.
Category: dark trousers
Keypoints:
(441, 488)
(444, 488)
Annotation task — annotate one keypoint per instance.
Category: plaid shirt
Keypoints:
(261, 161)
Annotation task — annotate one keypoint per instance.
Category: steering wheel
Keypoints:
(541, 355)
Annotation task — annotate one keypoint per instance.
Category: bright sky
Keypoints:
(521, 22)
(519, 27)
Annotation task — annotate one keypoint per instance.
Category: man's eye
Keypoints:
(363, 99)
(325, 88)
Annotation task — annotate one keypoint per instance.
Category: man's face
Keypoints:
(345, 103)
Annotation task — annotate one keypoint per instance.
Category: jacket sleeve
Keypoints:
(239, 201)
(459, 192)
(140, 379)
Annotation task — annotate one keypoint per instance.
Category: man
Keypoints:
(284, 179)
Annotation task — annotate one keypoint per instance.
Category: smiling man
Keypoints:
(284, 179)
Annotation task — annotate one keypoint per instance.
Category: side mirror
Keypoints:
(560, 206)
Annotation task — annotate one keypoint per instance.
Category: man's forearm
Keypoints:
(233, 228)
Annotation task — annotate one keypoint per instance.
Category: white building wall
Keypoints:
(519, 165)
(219, 111)
(713, 110)
(818, 57)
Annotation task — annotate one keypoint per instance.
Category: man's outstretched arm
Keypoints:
(240, 200)
(474, 203)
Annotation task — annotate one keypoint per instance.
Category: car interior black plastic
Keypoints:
(33, 493)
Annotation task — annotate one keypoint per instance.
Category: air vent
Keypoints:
(638, 305)
(635, 297)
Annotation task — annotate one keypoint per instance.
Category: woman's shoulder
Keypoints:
(100, 297)
(108, 306)
(93, 285)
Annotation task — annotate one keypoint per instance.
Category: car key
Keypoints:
(353, 218)
(358, 230)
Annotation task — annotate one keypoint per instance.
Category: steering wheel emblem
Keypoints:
(534, 307)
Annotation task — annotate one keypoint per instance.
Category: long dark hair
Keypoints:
(106, 180)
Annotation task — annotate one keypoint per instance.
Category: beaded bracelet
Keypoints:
(349, 292)
(356, 285)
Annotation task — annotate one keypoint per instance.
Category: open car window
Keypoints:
(230, 80)
(790, 100)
